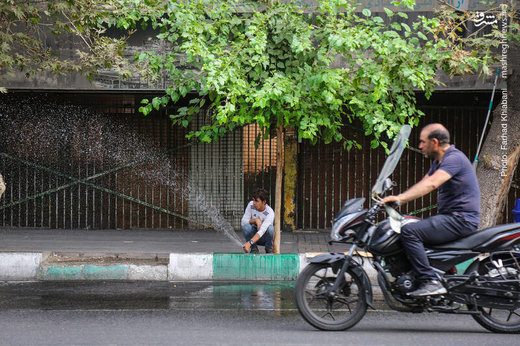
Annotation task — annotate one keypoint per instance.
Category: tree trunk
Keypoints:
(278, 188)
(290, 179)
(500, 153)
(2, 186)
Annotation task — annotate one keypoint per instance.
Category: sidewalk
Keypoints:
(65, 254)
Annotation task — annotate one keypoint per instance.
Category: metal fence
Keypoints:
(330, 175)
(91, 161)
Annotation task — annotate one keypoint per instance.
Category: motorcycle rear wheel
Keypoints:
(341, 312)
(493, 319)
(498, 320)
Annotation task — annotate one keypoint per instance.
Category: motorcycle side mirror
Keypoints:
(388, 184)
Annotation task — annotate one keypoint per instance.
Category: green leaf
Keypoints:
(183, 111)
(156, 103)
(146, 109)
(366, 12)
(396, 26)
(423, 36)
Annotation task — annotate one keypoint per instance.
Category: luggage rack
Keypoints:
(504, 264)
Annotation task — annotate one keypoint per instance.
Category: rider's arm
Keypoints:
(423, 187)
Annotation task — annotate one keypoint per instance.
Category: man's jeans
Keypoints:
(438, 229)
(250, 230)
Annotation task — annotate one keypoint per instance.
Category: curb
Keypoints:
(176, 267)
(195, 266)
(27, 266)
(129, 272)
(19, 266)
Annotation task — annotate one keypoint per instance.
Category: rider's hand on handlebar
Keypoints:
(393, 201)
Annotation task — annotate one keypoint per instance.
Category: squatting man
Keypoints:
(257, 223)
(458, 205)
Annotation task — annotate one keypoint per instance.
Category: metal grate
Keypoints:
(215, 178)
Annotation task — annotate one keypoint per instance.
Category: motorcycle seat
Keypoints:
(476, 239)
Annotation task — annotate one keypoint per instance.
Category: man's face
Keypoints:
(259, 204)
(427, 146)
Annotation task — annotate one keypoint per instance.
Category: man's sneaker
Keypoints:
(268, 250)
(254, 249)
(428, 288)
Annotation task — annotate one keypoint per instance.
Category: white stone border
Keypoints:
(193, 266)
(23, 266)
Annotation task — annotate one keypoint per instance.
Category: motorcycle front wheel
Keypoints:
(338, 311)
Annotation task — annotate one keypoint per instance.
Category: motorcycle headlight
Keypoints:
(338, 226)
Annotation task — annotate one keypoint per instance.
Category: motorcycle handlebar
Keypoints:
(394, 204)
(376, 207)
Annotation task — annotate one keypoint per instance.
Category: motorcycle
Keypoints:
(333, 291)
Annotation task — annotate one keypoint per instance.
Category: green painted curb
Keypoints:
(85, 272)
(63, 273)
(118, 272)
(240, 266)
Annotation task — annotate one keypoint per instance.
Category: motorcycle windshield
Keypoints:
(393, 158)
(350, 206)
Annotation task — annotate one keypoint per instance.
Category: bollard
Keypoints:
(516, 211)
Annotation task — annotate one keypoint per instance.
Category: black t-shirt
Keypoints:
(460, 195)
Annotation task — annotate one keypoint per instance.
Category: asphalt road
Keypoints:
(154, 313)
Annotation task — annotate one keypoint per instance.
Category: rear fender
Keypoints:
(336, 260)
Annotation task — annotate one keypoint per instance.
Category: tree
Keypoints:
(282, 66)
(31, 32)
(497, 43)
(501, 151)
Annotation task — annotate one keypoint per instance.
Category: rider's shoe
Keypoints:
(254, 249)
(428, 288)
(268, 250)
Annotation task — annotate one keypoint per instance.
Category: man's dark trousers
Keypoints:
(249, 230)
(434, 230)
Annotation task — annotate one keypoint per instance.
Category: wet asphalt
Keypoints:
(147, 295)
(204, 313)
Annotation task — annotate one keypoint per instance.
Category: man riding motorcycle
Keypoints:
(458, 205)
